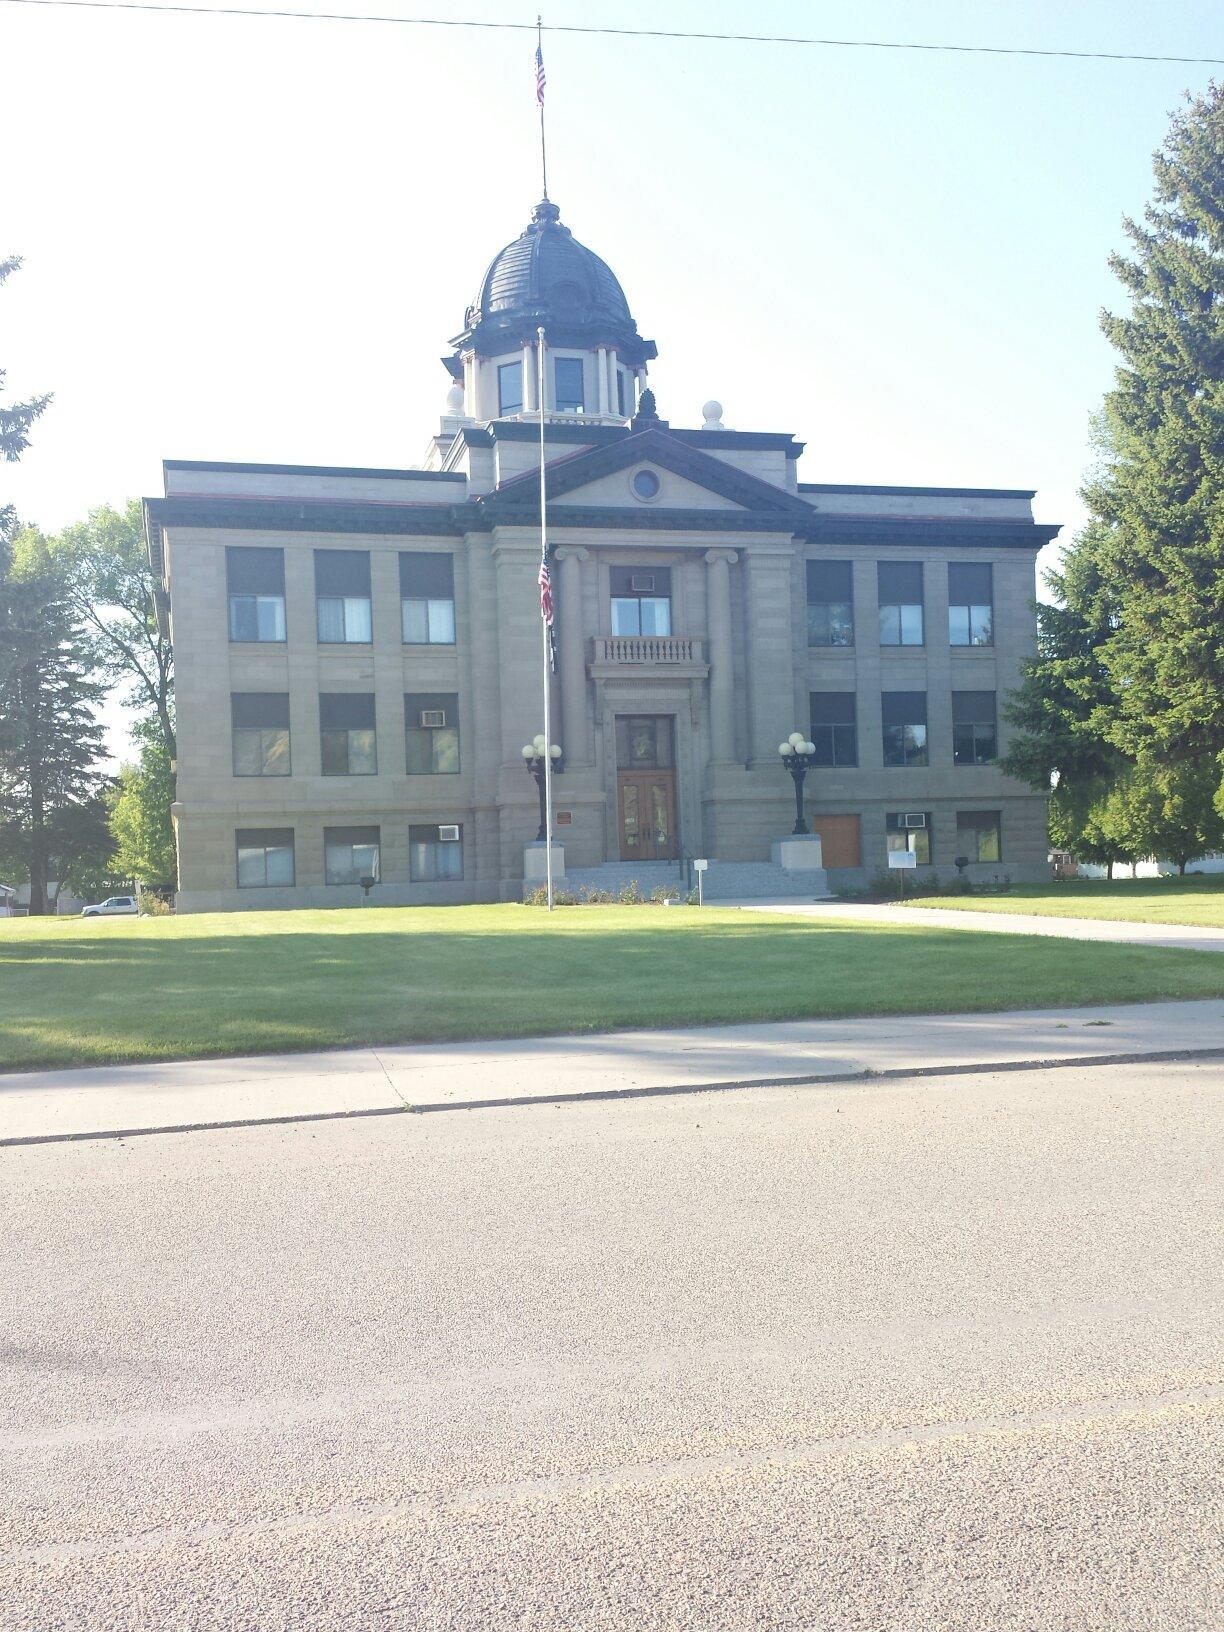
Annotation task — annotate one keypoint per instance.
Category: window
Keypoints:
(620, 392)
(644, 742)
(645, 484)
(900, 587)
(834, 731)
(342, 596)
(350, 854)
(427, 598)
(510, 388)
(977, 835)
(973, 727)
(265, 856)
(830, 603)
(904, 715)
(970, 603)
(260, 725)
(641, 601)
(346, 721)
(434, 853)
(255, 580)
(567, 380)
(431, 728)
(910, 830)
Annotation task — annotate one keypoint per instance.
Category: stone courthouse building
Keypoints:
(358, 654)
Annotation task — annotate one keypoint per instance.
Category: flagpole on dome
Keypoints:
(540, 84)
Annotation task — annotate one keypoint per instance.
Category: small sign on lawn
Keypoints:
(902, 858)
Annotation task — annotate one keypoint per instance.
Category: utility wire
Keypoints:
(627, 33)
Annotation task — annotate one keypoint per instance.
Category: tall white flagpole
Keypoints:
(544, 643)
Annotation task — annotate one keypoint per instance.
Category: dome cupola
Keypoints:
(595, 359)
(547, 278)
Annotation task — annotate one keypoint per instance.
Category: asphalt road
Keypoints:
(927, 1354)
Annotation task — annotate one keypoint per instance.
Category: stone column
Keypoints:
(610, 359)
(601, 377)
(722, 689)
(529, 378)
(572, 656)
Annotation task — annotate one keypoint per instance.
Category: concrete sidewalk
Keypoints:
(205, 1093)
(1188, 937)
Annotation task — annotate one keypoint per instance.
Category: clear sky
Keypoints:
(251, 239)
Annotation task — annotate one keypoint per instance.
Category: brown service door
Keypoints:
(839, 840)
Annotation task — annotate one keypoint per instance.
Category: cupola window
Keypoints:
(567, 381)
(510, 388)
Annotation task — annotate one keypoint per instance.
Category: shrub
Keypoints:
(590, 895)
(664, 892)
(630, 894)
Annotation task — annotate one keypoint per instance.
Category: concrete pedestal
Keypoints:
(535, 862)
(800, 853)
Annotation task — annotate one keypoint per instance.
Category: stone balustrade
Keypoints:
(674, 651)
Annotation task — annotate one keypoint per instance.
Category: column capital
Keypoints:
(572, 552)
(721, 555)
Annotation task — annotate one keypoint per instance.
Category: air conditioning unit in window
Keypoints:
(913, 819)
(433, 717)
(448, 835)
(641, 583)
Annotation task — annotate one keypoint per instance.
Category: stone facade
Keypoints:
(722, 511)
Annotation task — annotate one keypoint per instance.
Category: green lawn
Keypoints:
(81, 992)
(1197, 901)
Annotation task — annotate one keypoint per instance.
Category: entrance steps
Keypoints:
(724, 880)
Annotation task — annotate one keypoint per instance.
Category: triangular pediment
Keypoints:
(602, 478)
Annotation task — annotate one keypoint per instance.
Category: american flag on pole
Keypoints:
(541, 81)
(546, 609)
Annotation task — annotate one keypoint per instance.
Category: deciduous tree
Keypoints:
(111, 586)
(140, 821)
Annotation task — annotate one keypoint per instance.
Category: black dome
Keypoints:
(547, 277)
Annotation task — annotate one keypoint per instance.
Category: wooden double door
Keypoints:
(646, 787)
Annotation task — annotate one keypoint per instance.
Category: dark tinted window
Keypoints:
(833, 726)
(254, 571)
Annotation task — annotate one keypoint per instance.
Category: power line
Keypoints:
(626, 33)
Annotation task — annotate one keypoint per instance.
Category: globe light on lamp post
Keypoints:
(534, 755)
(798, 755)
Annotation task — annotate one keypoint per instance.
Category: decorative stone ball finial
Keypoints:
(712, 412)
(454, 400)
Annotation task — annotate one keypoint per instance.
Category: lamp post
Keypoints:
(798, 755)
(534, 755)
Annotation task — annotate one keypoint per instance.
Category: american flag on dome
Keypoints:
(540, 79)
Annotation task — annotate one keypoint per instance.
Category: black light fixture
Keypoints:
(798, 755)
(534, 755)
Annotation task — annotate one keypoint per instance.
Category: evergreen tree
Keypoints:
(1057, 707)
(1158, 499)
(140, 822)
(50, 741)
